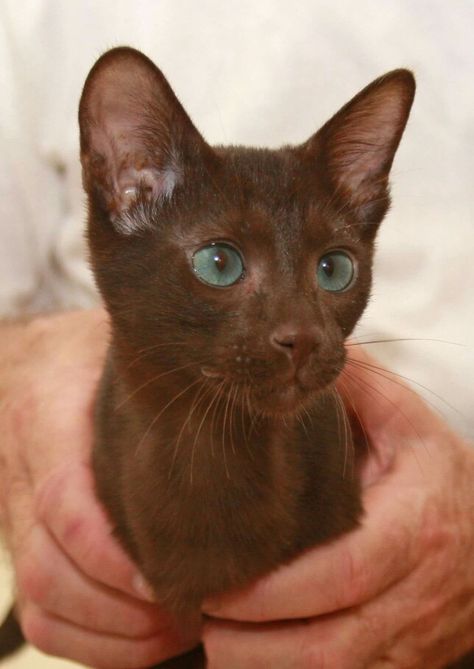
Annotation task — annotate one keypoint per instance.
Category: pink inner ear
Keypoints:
(133, 185)
(123, 165)
(150, 181)
(361, 139)
(365, 144)
(128, 120)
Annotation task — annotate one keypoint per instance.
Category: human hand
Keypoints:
(398, 592)
(79, 596)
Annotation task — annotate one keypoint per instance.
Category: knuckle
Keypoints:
(38, 629)
(33, 581)
(74, 532)
(354, 580)
(60, 509)
(434, 534)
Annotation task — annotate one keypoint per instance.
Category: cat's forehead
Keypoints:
(270, 177)
(269, 196)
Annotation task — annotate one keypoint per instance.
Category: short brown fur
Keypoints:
(200, 474)
(221, 447)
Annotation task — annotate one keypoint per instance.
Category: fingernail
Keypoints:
(143, 590)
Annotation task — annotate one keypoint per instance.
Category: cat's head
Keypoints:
(244, 267)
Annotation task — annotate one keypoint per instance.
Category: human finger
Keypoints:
(55, 636)
(342, 573)
(68, 507)
(382, 400)
(418, 623)
(58, 587)
(285, 645)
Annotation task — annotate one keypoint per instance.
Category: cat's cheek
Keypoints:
(349, 310)
(252, 282)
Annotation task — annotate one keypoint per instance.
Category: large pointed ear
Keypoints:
(356, 147)
(135, 135)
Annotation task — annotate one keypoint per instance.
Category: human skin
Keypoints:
(78, 594)
(395, 593)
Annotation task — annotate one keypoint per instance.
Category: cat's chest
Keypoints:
(234, 521)
(222, 487)
(213, 488)
(202, 512)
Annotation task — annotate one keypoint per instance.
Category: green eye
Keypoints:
(335, 271)
(218, 264)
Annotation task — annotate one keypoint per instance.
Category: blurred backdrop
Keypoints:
(265, 73)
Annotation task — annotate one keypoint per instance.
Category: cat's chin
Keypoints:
(286, 400)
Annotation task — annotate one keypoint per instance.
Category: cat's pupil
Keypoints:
(218, 264)
(327, 266)
(335, 271)
(220, 259)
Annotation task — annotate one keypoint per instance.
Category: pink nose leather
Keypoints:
(296, 344)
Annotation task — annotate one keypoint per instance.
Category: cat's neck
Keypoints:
(215, 440)
(199, 432)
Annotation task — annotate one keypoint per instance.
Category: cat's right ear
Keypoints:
(135, 135)
(356, 147)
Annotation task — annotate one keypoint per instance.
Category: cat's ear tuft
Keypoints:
(135, 135)
(357, 145)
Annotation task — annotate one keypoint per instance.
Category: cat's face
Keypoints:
(257, 284)
(243, 267)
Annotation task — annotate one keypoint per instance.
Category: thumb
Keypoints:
(389, 413)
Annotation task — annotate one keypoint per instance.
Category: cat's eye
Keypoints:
(335, 271)
(218, 264)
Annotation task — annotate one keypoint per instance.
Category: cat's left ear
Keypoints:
(356, 147)
(136, 138)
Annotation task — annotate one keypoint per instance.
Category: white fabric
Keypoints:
(267, 72)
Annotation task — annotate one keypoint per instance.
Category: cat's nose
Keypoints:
(296, 343)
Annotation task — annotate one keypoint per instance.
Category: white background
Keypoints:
(267, 73)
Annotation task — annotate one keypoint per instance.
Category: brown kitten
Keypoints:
(232, 277)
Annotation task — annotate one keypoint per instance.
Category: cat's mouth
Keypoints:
(279, 394)
(283, 396)
(286, 398)
(211, 373)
